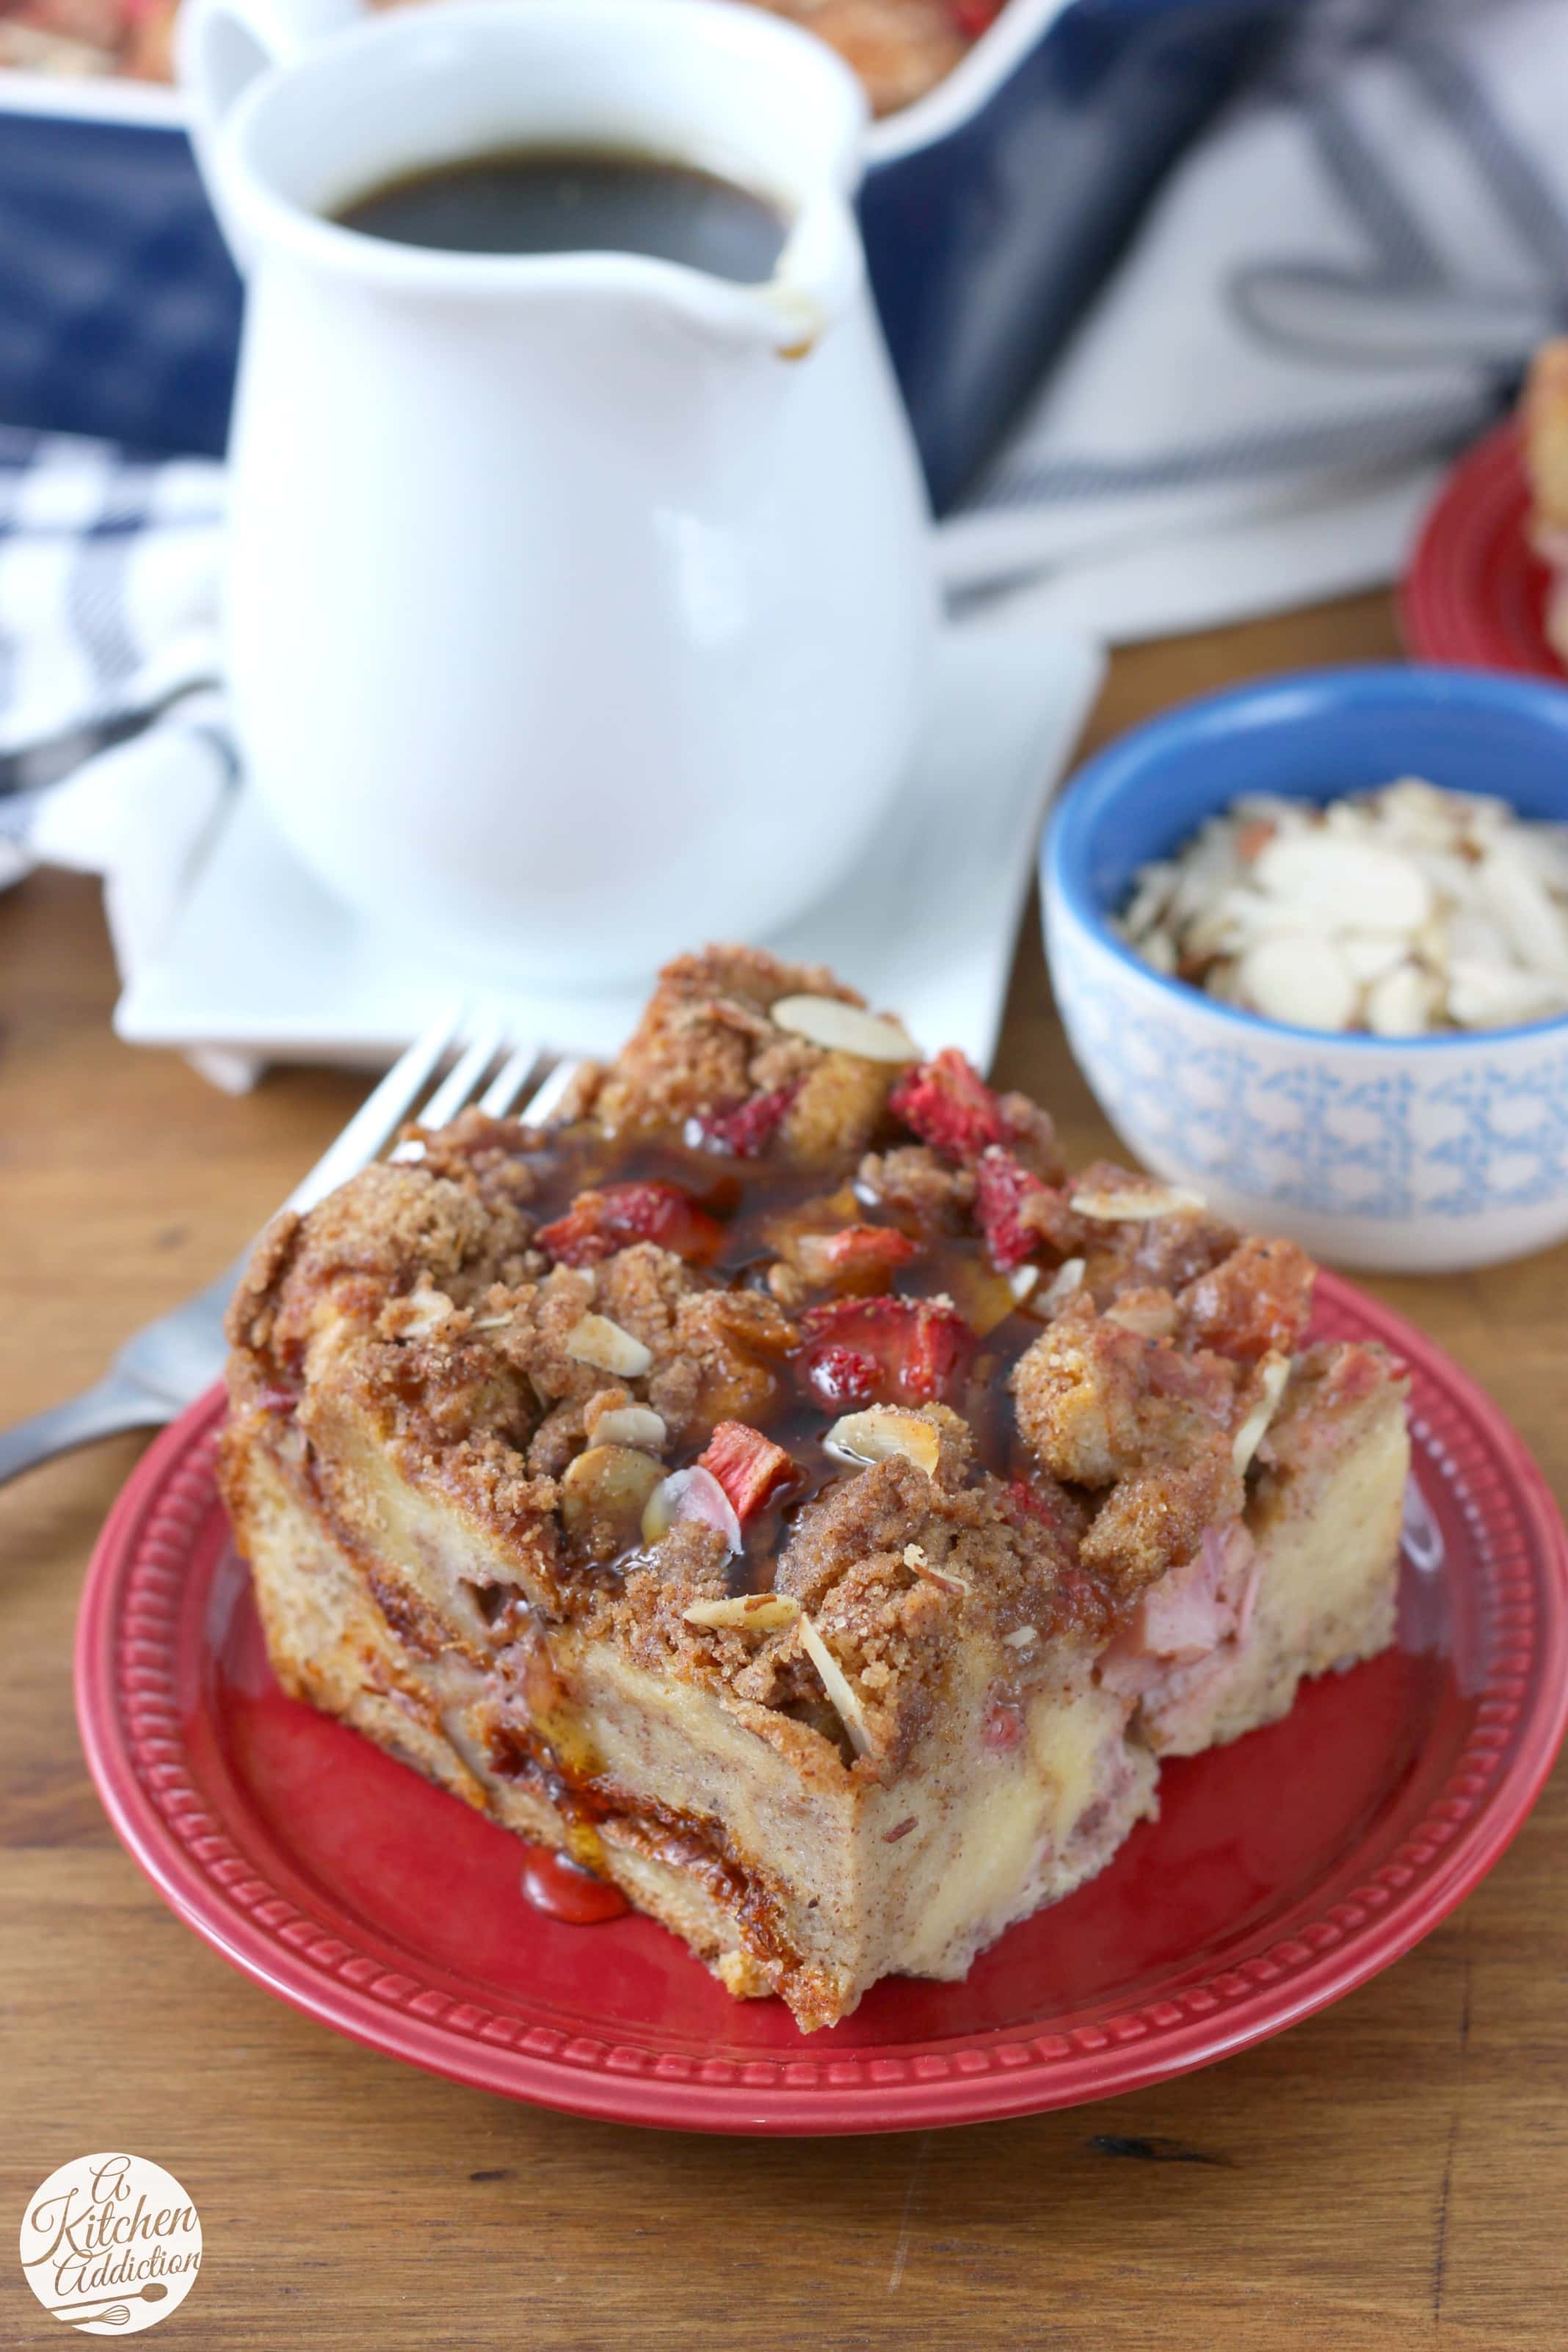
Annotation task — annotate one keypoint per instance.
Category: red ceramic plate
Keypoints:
(1282, 1872)
(1476, 592)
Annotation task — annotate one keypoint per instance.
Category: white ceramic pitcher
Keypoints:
(579, 605)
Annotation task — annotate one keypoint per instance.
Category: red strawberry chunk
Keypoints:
(1001, 1185)
(859, 1259)
(859, 1246)
(599, 1223)
(746, 1128)
(1004, 1728)
(919, 1348)
(1027, 1498)
(748, 1466)
(948, 1106)
(974, 18)
(577, 1239)
(843, 1377)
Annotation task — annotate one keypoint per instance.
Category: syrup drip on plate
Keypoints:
(564, 1891)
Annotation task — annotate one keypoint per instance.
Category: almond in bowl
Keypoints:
(1403, 912)
(1308, 939)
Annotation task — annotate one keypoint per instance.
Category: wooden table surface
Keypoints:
(1390, 2174)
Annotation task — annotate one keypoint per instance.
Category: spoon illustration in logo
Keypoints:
(112, 2313)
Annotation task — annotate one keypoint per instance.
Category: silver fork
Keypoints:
(166, 1365)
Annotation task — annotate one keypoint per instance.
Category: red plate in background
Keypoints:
(1283, 1871)
(1475, 591)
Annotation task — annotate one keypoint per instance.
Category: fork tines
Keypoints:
(488, 1066)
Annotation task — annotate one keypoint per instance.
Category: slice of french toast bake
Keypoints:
(781, 1486)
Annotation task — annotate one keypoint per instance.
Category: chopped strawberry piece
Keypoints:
(859, 1259)
(748, 1466)
(865, 1245)
(1030, 1501)
(1003, 1730)
(597, 1224)
(974, 18)
(1001, 1185)
(1044, 1499)
(747, 1128)
(577, 1239)
(919, 1347)
(948, 1106)
(841, 1376)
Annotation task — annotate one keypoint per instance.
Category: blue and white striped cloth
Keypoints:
(1334, 292)
(109, 569)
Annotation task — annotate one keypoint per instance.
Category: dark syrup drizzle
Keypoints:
(749, 1198)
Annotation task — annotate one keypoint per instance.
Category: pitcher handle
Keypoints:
(221, 46)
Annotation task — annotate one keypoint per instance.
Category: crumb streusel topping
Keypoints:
(790, 1364)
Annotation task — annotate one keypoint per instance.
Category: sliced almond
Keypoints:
(1301, 980)
(1022, 1282)
(419, 1315)
(944, 1578)
(1367, 955)
(631, 1425)
(881, 1430)
(1399, 1004)
(787, 1287)
(1517, 900)
(1272, 1374)
(749, 1613)
(1134, 1205)
(1066, 1279)
(1151, 1318)
(836, 1684)
(603, 1493)
(594, 1339)
(1150, 900)
(1346, 879)
(693, 1494)
(1494, 996)
(842, 1028)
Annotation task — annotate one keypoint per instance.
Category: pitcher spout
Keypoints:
(817, 280)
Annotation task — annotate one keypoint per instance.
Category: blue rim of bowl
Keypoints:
(1068, 831)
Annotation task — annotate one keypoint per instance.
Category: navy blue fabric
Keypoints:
(119, 306)
(986, 248)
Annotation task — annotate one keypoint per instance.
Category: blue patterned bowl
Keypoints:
(1422, 1155)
